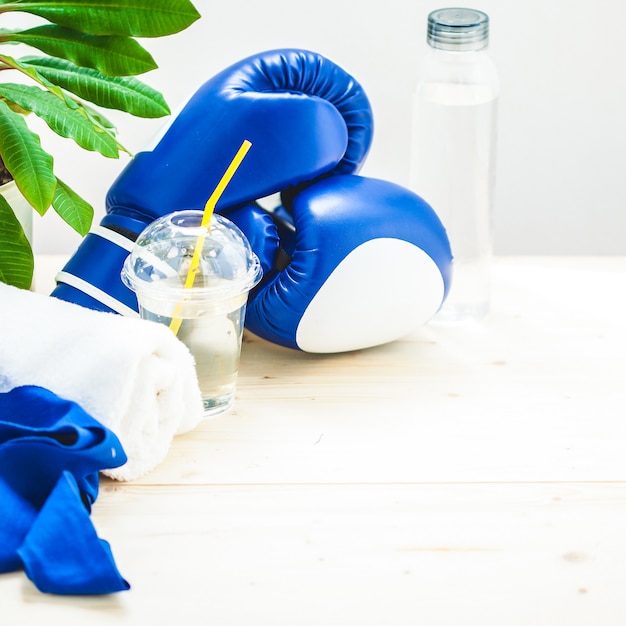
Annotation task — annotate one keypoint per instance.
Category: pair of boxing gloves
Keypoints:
(349, 262)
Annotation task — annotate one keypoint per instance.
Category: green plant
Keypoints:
(91, 54)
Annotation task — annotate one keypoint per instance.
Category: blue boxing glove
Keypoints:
(359, 263)
(304, 116)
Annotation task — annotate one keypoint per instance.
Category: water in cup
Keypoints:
(210, 314)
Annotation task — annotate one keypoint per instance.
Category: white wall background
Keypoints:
(561, 181)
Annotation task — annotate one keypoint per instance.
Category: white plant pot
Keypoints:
(20, 206)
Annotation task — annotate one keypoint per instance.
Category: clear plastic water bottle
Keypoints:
(453, 146)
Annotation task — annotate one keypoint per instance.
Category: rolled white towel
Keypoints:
(133, 376)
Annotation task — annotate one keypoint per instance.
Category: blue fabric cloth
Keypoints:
(51, 451)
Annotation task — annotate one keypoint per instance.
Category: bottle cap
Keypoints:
(458, 29)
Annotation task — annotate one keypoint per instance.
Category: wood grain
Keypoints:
(467, 474)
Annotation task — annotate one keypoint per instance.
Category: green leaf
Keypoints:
(30, 165)
(31, 72)
(9, 62)
(135, 18)
(112, 55)
(16, 256)
(96, 117)
(124, 93)
(99, 120)
(75, 211)
(70, 123)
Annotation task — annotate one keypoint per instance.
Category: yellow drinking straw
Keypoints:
(209, 208)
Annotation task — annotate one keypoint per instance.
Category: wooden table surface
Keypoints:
(470, 474)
